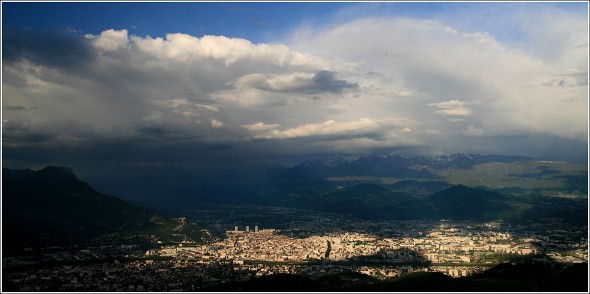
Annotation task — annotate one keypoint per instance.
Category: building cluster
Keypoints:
(57, 254)
(453, 248)
(446, 243)
(263, 245)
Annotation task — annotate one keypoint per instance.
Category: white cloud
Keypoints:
(187, 48)
(473, 131)
(452, 107)
(185, 78)
(247, 97)
(485, 40)
(519, 87)
(260, 126)
(216, 123)
(110, 40)
(362, 127)
(184, 105)
(405, 93)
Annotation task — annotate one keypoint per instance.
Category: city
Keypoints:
(393, 249)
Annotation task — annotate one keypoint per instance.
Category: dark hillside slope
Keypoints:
(507, 277)
(460, 202)
(371, 201)
(52, 206)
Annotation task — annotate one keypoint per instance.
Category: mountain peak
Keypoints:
(459, 187)
(324, 162)
(56, 173)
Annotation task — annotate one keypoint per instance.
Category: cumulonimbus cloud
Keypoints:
(517, 87)
(367, 82)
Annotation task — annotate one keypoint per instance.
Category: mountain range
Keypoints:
(54, 204)
(456, 186)
(420, 176)
(394, 165)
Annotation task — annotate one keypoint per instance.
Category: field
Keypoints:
(532, 175)
(544, 177)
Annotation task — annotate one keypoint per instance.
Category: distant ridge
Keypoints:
(393, 165)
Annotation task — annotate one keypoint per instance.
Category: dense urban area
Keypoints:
(312, 246)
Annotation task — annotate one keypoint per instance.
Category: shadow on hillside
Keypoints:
(391, 257)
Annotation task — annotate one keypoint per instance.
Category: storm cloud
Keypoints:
(359, 86)
(61, 49)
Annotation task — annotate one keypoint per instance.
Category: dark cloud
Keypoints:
(24, 132)
(17, 108)
(318, 82)
(326, 81)
(61, 49)
(150, 131)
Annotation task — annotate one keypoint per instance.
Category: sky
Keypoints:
(124, 86)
